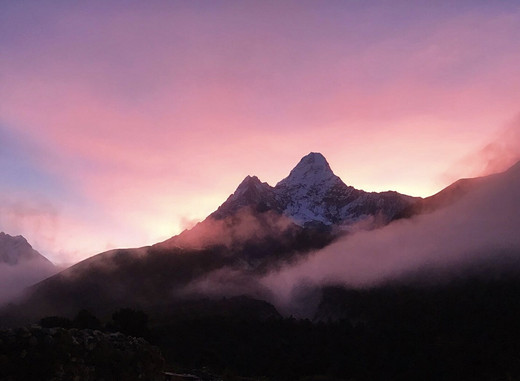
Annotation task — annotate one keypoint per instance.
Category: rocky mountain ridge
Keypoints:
(312, 194)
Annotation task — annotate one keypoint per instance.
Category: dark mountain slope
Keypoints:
(16, 250)
(453, 193)
(20, 266)
(151, 277)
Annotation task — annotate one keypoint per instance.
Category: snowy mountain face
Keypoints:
(15, 250)
(313, 194)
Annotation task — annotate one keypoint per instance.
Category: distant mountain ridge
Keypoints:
(313, 194)
(16, 249)
(20, 266)
(455, 192)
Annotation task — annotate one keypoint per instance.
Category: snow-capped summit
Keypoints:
(312, 194)
(309, 193)
(312, 170)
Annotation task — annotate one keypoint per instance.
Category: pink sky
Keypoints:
(123, 122)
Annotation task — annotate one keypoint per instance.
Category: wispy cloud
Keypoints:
(495, 156)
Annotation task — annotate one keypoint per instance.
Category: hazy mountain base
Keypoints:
(20, 266)
(166, 274)
(461, 330)
(432, 324)
(449, 326)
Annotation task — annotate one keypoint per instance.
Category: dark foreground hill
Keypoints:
(466, 330)
(461, 330)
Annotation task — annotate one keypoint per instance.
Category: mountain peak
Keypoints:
(248, 183)
(14, 249)
(18, 238)
(314, 160)
(312, 193)
(312, 157)
(251, 192)
(312, 169)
